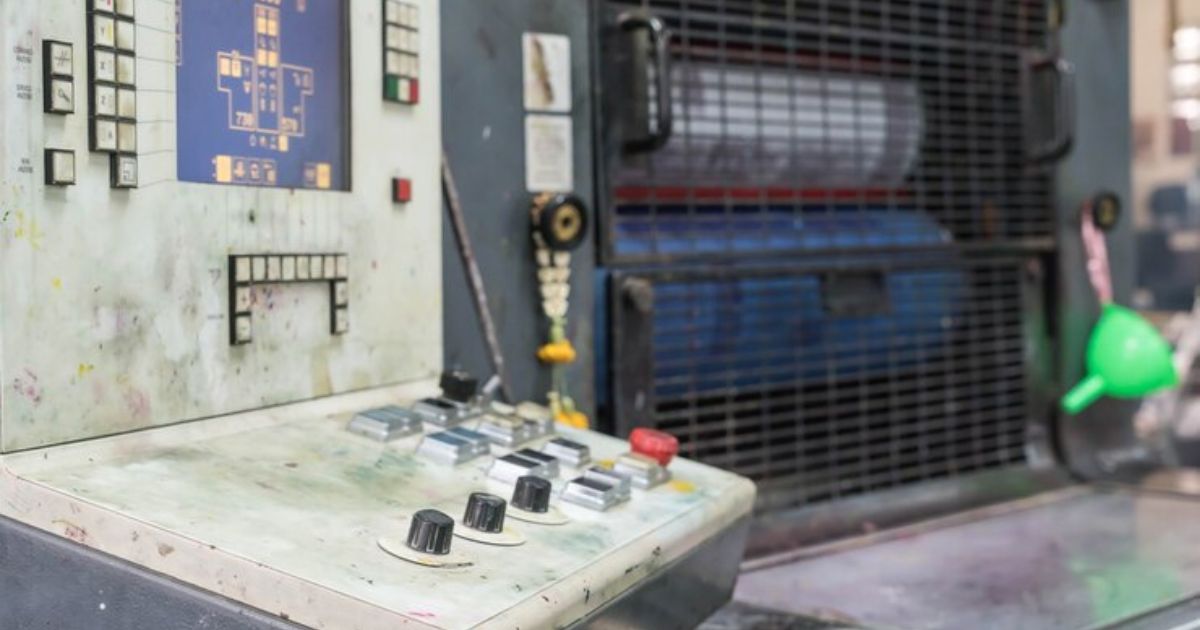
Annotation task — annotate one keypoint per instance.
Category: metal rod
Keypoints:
(474, 277)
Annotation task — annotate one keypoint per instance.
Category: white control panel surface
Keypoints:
(210, 207)
(285, 509)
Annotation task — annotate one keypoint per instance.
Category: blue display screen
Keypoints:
(263, 93)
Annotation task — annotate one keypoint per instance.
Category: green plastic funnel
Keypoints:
(1126, 358)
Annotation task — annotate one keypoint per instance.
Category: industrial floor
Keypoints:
(1085, 558)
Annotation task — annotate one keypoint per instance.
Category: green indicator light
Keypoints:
(391, 88)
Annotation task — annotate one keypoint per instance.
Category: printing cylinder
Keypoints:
(742, 126)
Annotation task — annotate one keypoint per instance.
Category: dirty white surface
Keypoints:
(282, 509)
(114, 304)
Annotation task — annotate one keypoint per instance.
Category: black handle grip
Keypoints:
(1062, 137)
(660, 40)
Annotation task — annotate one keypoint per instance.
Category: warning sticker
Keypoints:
(549, 153)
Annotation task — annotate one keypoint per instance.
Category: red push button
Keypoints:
(401, 190)
(659, 446)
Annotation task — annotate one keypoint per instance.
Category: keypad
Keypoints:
(112, 85)
(401, 52)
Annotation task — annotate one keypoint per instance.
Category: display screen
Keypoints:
(263, 93)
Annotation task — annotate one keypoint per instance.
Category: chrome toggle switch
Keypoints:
(506, 431)
(549, 462)
(643, 471)
(619, 481)
(442, 412)
(454, 446)
(538, 419)
(480, 444)
(385, 423)
(572, 454)
(591, 494)
(511, 467)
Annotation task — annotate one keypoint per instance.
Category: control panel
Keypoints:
(210, 207)
(372, 511)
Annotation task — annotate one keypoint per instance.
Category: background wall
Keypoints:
(1153, 162)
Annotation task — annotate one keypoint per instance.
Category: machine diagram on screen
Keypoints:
(266, 96)
(276, 105)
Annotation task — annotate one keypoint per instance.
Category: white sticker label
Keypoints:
(547, 72)
(549, 154)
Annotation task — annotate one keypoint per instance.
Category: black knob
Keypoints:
(532, 494)
(458, 386)
(485, 513)
(561, 221)
(431, 532)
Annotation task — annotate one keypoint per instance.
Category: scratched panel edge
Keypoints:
(107, 295)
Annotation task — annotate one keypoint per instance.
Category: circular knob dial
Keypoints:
(458, 385)
(485, 513)
(431, 532)
(659, 446)
(532, 494)
(561, 221)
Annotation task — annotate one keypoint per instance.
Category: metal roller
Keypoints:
(737, 126)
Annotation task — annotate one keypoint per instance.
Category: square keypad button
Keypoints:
(126, 103)
(104, 100)
(104, 31)
(60, 57)
(104, 136)
(60, 167)
(243, 330)
(126, 69)
(104, 66)
(124, 171)
(126, 137)
(60, 97)
(126, 39)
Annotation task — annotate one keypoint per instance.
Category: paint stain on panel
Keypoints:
(137, 403)
(26, 386)
(681, 486)
(27, 229)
